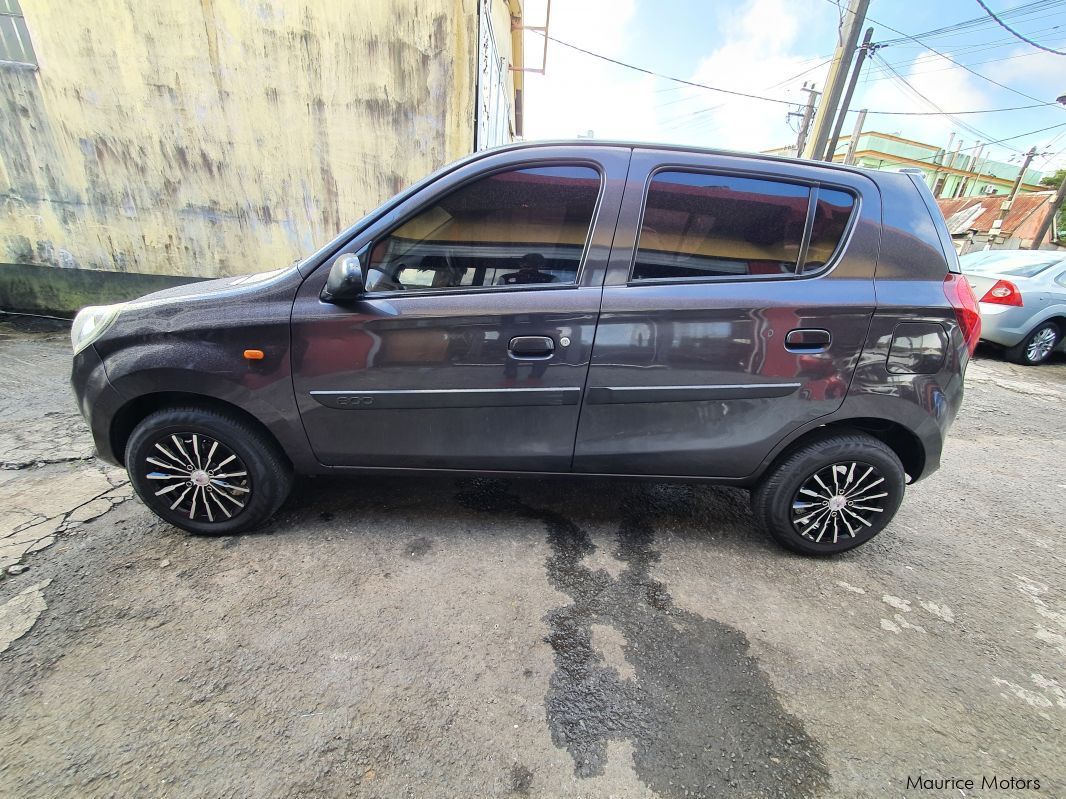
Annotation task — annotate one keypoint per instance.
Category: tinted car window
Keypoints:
(831, 215)
(521, 227)
(699, 225)
(1012, 265)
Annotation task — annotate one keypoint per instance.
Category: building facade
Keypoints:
(962, 172)
(142, 143)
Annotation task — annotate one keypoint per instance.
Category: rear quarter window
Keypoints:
(832, 212)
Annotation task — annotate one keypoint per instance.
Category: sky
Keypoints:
(769, 48)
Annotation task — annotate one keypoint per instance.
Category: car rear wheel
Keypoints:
(831, 495)
(1036, 347)
(206, 471)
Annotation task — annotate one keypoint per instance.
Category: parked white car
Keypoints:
(1022, 296)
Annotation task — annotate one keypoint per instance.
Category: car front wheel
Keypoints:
(207, 471)
(1036, 347)
(831, 495)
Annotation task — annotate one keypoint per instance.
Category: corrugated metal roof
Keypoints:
(978, 213)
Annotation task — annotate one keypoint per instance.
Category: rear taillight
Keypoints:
(1003, 293)
(959, 294)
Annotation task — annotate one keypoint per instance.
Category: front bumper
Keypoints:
(98, 401)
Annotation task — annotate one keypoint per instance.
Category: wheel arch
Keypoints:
(136, 410)
(905, 443)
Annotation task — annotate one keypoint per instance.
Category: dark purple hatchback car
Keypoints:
(797, 328)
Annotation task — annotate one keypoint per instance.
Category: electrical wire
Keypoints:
(751, 96)
(953, 117)
(1000, 141)
(883, 74)
(981, 22)
(953, 61)
(1011, 30)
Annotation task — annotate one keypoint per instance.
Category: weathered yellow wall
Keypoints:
(214, 137)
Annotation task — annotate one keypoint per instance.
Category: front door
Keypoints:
(737, 301)
(471, 345)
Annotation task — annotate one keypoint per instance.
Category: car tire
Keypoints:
(1037, 347)
(207, 471)
(799, 500)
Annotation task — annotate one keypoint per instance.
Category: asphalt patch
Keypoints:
(702, 717)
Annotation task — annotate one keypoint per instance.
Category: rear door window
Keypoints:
(699, 225)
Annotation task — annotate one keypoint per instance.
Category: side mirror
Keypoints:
(345, 281)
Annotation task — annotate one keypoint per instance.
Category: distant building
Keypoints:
(146, 142)
(948, 173)
(972, 221)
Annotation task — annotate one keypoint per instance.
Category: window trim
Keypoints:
(27, 46)
(460, 290)
(799, 273)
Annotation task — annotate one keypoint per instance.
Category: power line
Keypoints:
(1000, 141)
(1011, 30)
(956, 63)
(882, 73)
(750, 96)
(948, 115)
(666, 77)
(968, 25)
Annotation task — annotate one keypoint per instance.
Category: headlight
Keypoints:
(90, 324)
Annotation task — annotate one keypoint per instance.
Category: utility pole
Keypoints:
(1056, 204)
(966, 181)
(1004, 209)
(805, 121)
(938, 159)
(1049, 218)
(850, 26)
(955, 154)
(866, 49)
(853, 145)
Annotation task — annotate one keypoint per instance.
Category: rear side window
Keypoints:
(700, 225)
(513, 228)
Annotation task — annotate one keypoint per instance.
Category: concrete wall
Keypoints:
(202, 138)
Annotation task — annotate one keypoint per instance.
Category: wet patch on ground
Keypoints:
(702, 717)
(418, 547)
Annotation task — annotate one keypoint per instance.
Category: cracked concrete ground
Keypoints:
(440, 637)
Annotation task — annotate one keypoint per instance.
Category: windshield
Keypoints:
(1013, 264)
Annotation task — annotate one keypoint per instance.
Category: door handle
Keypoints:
(807, 340)
(531, 348)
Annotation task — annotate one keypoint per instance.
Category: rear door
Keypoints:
(471, 345)
(738, 297)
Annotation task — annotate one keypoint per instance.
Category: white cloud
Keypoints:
(754, 58)
(762, 45)
(580, 93)
(949, 88)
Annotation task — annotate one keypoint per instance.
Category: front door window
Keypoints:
(516, 228)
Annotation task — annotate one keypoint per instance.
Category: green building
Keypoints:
(960, 172)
